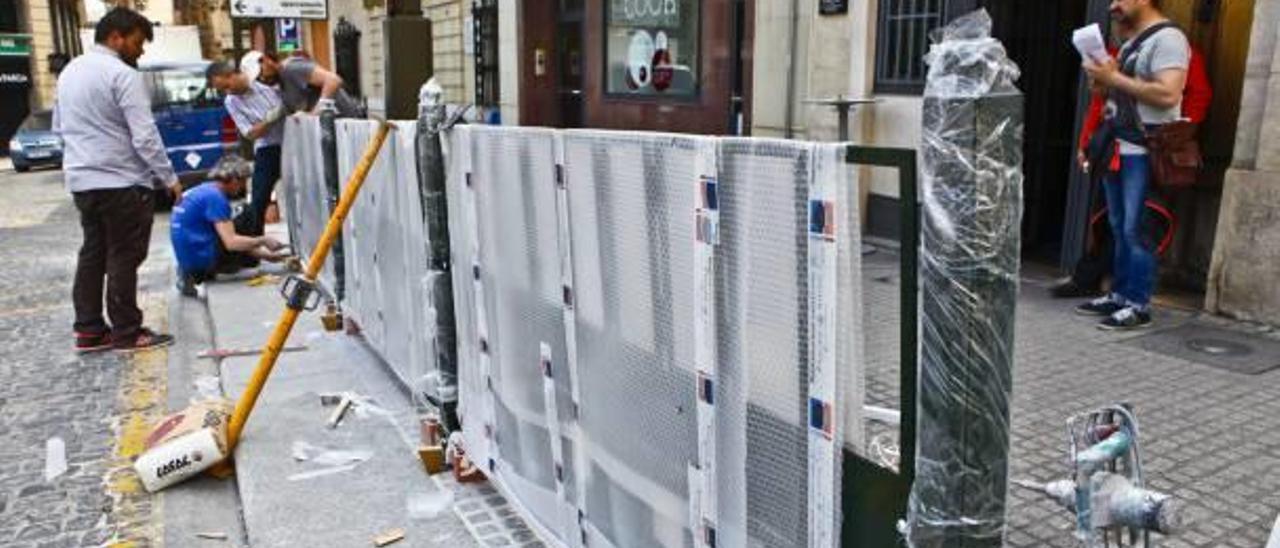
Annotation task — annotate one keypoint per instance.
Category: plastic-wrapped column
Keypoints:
(972, 193)
(329, 151)
(431, 181)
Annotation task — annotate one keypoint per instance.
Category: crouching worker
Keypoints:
(205, 239)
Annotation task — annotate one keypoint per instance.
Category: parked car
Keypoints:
(193, 124)
(35, 144)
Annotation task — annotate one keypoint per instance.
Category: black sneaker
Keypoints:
(1125, 319)
(1101, 306)
(146, 339)
(1069, 289)
(187, 287)
(92, 342)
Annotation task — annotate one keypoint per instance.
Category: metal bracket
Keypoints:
(299, 293)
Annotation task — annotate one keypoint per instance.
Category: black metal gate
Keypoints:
(346, 55)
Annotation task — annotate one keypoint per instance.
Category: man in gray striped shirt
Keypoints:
(257, 111)
(113, 158)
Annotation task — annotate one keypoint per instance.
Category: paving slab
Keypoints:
(353, 498)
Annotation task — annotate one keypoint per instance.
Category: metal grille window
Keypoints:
(484, 17)
(903, 39)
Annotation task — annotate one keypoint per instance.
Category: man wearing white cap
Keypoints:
(304, 85)
(257, 111)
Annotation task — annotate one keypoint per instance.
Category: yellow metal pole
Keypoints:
(290, 315)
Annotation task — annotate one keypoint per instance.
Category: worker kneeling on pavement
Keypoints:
(206, 241)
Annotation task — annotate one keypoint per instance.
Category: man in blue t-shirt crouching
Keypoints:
(204, 237)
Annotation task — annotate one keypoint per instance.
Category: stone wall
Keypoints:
(1246, 257)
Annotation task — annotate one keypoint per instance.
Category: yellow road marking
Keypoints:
(140, 403)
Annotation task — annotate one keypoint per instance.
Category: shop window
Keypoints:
(651, 47)
(902, 41)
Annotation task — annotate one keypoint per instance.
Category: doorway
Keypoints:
(1037, 36)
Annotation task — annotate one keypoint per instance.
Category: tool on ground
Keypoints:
(205, 434)
(219, 353)
(1106, 490)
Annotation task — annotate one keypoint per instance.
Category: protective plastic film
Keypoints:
(784, 214)
(305, 198)
(386, 253)
(631, 202)
(516, 261)
(647, 331)
(972, 192)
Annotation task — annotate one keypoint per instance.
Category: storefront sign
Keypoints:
(15, 73)
(288, 38)
(15, 45)
(833, 7)
(652, 47)
(645, 13)
(281, 9)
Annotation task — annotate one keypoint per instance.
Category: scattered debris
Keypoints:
(341, 411)
(390, 537)
(306, 452)
(425, 506)
(212, 536)
(432, 457)
(208, 387)
(311, 474)
(219, 353)
(263, 279)
(55, 458)
(330, 400)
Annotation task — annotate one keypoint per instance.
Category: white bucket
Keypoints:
(178, 460)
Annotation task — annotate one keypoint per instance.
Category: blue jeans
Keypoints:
(1134, 267)
(266, 171)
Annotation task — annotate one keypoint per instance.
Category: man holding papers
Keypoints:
(1144, 89)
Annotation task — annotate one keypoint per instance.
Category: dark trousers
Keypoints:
(266, 172)
(117, 233)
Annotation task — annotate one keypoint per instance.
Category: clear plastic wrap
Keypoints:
(972, 212)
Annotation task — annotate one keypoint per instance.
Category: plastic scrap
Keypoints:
(425, 506)
(306, 452)
(208, 387)
(55, 458)
(312, 474)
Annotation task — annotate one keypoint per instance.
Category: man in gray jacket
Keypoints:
(113, 157)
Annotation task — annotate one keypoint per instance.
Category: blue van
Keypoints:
(194, 126)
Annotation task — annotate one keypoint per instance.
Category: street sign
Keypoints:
(280, 9)
(15, 45)
(288, 39)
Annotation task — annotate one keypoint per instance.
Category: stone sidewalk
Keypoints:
(1209, 436)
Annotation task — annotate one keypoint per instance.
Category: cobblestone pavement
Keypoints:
(100, 406)
(1209, 436)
